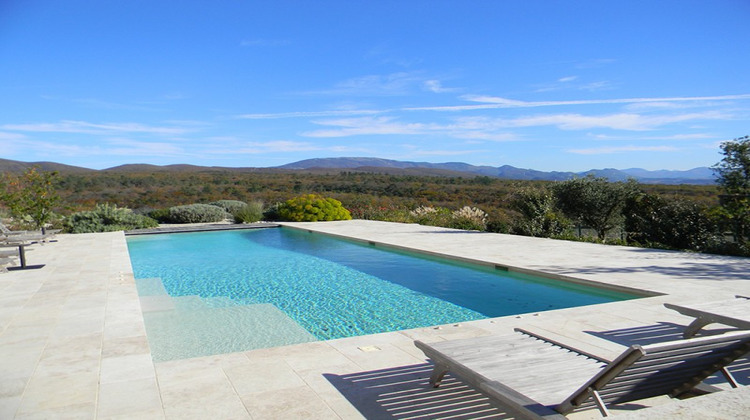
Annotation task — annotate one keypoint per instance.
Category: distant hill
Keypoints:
(701, 175)
(698, 176)
(15, 166)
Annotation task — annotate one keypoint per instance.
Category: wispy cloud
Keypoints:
(496, 102)
(444, 152)
(130, 147)
(436, 86)
(279, 146)
(621, 149)
(366, 126)
(391, 84)
(509, 103)
(82, 127)
(623, 121)
(310, 114)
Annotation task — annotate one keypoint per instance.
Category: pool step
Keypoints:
(150, 287)
(219, 302)
(181, 333)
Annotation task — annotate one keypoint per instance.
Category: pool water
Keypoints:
(215, 292)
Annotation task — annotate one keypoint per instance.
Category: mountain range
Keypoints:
(700, 176)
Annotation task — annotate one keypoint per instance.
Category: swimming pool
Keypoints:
(268, 287)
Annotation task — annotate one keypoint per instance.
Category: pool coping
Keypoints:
(72, 340)
(641, 293)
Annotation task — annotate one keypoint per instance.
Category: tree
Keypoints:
(539, 216)
(733, 175)
(594, 201)
(674, 223)
(31, 195)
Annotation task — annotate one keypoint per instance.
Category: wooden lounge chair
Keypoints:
(732, 312)
(7, 235)
(535, 378)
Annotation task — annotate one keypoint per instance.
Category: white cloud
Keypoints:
(621, 149)
(310, 114)
(567, 79)
(366, 126)
(509, 103)
(390, 84)
(82, 127)
(444, 152)
(436, 86)
(129, 147)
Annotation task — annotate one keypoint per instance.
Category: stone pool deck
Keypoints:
(73, 343)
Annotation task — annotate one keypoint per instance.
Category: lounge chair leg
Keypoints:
(437, 375)
(599, 402)
(694, 327)
(729, 377)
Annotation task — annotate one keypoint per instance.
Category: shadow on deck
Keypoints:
(404, 392)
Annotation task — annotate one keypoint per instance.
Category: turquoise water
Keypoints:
(319, 287)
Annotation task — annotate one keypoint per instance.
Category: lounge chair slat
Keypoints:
(508, 366)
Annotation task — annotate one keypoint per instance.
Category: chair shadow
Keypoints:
(667, 331)
(404, 392)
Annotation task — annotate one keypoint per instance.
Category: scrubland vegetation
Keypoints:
(687, 217)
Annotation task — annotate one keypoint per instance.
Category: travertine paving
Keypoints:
(73, 345)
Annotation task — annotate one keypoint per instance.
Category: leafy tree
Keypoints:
(655, 221)
(733, 174)
(31, 195)
(594, 201)
(538, 214)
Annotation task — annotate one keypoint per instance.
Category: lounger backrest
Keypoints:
(670, 368)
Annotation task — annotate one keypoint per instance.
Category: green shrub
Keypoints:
(431, 216)
(272, 212)
(469, 218)
(108, 218)
(250, 213)
(230, 206)
(313, 208)
(197, 213)
(160, 215)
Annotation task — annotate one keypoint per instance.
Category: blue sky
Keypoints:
(547, 85)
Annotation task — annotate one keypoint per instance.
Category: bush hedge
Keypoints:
(230, 206)
(197, 213)
(107, 218)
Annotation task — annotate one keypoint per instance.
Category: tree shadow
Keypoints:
(404, 392)
(709, 270)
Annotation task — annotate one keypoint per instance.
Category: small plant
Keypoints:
(431, 216)
(313, 208)
(250, 213)
(469, 218)
(197, 213)
(108, 218)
